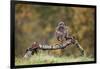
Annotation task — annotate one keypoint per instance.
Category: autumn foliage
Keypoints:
(38, 23)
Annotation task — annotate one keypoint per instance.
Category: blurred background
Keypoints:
(38, 23)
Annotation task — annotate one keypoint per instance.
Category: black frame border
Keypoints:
(12, 34)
